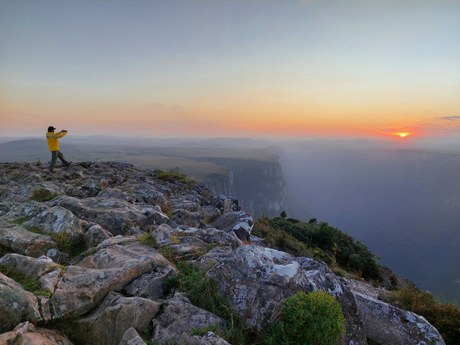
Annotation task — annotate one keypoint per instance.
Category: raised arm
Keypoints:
(61, 133)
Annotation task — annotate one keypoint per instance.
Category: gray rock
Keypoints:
(116, 216)
(152, 284)
(131, 337)
(16, 305)
(388, 325)
(54, 220)
(14, 238)
(182, 204)
(83, 286)
(210, 213)
(218, 237)
(31, 267)
(226, 204)
(146, 192)
(116, 314)
(27, 334)
(256, 280)
(115, 193)
(21, 212)
(179, 317)
(95, 235)
(187, 218)
(239, 222)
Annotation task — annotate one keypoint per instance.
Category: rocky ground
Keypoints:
(86, 254)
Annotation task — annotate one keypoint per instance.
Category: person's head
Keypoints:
(51, 129)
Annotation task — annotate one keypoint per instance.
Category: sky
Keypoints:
(231, 68)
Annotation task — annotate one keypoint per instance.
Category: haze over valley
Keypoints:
(401, 202)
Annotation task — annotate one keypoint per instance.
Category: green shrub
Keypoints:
(42, 194)
(308, 319)
(279, 239)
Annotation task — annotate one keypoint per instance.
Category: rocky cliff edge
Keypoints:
(94, 246)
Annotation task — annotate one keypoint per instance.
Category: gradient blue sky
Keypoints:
(230, 68)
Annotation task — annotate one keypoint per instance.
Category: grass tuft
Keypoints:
(29, 284)
(42, 194)
(149, 240)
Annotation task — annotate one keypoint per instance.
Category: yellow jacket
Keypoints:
(53, 142)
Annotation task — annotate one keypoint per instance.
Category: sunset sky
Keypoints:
(230, 68)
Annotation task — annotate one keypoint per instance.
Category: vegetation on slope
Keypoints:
(321, 241)
(308, 318)
(341, 252)
(444, 316)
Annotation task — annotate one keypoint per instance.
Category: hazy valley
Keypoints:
(403, 203)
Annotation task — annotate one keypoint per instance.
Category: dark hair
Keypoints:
(51, 128)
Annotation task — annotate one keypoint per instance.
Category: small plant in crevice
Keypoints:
(314, 318)
(146, 336)
(42, 194)
(168, 253)
(204, 330)
(203, 292)
(29, 284)
(20, 220)
(148, 239)
(69, 243)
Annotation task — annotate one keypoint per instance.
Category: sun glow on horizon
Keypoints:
(403, 135)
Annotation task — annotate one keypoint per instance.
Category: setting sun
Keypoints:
(403, 135)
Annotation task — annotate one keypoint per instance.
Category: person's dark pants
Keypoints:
(54, 156)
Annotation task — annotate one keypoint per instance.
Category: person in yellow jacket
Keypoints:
(53, 145)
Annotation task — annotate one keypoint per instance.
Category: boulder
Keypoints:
(115, 193)
(151, 285)
(16, 305)
(116, 216)
(27, 334)
(131, 337)
(54, 220)
(16, 239)
(149, 194)
(193, 242)
(115, 315)
(112, 267)
(210, 213)
(214, 236)
(226, 204)
(180, 317)
(256, 280)
(95, 235)
(389, 325)
(182, 242)
(31, 267)
(21, 212)
(184, 204)
(239, 222)
(187, 218)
